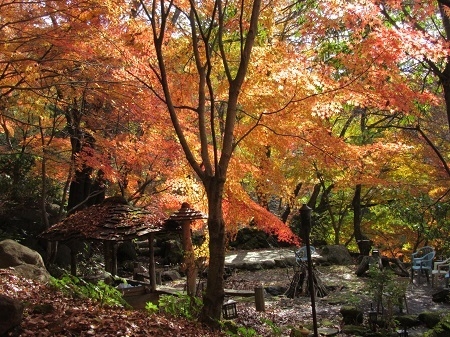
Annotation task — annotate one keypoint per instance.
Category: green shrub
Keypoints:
(151, 308)
(100, 291)
(387, 291)
(181, 305)
(442, 327)
(241, 331)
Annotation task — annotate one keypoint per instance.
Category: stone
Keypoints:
(357, 330)
(290, 261)
(268, 264)
(351, 315)
(337, 254)
(11, 313)
(249, 238)
(252, 266)
(442, 296)
(23, 261)
(170, 275)
(328, 331)
(14, 254)
(32, 272)
(275, 290)
(239, 265)
(430, 319)
(408, 321)
(280, 263)
(299, 332)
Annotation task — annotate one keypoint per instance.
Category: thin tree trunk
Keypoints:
(287, 211)
(363, 242)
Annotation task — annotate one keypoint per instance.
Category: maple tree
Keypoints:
(420, 53)
(385, 97)
(62, 107)
(206, 27)
(222, 127)
(331, 104)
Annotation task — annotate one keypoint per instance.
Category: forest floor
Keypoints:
(51, 313)
(345, 289)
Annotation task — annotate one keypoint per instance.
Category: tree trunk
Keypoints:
(79, 189)
(214, 295)
(80, 186)
(364, 244)
(212, 169)
(287, 211)
(444, 76)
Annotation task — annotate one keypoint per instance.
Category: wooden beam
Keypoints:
(73, 261)
(189, 258)
(114, 246)
(151, 267)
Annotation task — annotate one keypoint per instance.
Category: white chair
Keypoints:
(440, 269)
(422, 262)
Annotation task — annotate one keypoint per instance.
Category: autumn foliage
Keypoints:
(246, 109)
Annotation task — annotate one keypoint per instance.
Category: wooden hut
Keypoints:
(110, 222)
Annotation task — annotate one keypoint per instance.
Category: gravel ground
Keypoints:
(345, 288)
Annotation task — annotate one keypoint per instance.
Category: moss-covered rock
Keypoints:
(357, 330)
(408, 320)
(249, 238)
(430, 319)
(351, 315)
(442, 328)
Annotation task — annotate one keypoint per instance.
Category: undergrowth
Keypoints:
(100, 292)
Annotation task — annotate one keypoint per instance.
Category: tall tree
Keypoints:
(206, 27)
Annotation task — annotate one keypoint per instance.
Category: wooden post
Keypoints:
(73, 261)
(259, 299)
(158, 278)
(189, 258)
(107, 256)
(151, 267)
(114, 247)
(305, 216)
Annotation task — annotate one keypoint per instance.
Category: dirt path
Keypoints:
(346, 287)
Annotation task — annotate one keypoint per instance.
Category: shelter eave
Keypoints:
(108, 222)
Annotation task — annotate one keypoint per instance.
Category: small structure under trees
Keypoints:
(110, 222)
(184, 217)
(114, 221)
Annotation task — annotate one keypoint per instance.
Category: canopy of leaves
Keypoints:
(337, 93)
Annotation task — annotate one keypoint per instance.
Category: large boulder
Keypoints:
(352, 315)
(250, 238)
(430, 319)
(11, 312)
(23, 261)
(336, 254)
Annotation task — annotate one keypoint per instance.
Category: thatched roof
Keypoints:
(110, 221)
(185, 213)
